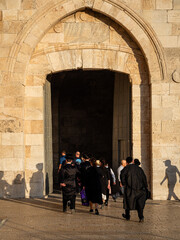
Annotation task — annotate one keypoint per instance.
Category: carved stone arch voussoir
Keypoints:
(56, 10)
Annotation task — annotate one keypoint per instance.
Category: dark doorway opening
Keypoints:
(82, 114)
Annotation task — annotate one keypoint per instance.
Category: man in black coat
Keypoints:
(135, 184)
(68, 175)
(83, 169)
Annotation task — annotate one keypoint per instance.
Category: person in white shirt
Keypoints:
(123, 164)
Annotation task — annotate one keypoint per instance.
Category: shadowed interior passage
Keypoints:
(82, 113)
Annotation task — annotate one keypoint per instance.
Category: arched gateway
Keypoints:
(94, 36)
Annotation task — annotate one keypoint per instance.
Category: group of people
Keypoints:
(95, 179)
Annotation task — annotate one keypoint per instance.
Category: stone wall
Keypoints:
(31, 29)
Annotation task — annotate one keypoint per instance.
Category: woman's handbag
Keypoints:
(84, 198)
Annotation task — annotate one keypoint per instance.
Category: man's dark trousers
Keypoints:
(72, 200)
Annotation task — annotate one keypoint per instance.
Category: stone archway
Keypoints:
(115, 51)
(54, 11)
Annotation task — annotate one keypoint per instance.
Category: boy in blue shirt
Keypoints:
(62, 159)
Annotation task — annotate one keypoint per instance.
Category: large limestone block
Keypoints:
(3, 4)
(175, 89)
(137, 5)
(176, 113)
(174, 16)
(164, 4)
(162, 29)
(176, 29)
(155, 16)
(169, 41)
(86, 32)
(35, 69)
(87, 56)
(12, 139)
(10, 114)
(171, 126)
(164, 139)
(53, 38)
(176, 4)
(148, 4)
(37, 151)
(18, 151)
(9, 15)
(11, 125)
(162, 113)
(28, 4)
(34, 102)
(13, 164)
(24, 15)
(156, 126)
(33, 114)
(156, 101)
(6, 152)
(15, 102)
(22, 57)
(34, 139)
(13, 4)
(12, 27)
(26, 49)
(34, 91)
(55, 61)
(97, 4)
(170, 101)
(160, 88)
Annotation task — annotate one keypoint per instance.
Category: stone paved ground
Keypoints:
(37, 219)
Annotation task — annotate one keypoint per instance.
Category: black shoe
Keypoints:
(91, 210)
(96, 212)
(65, 210)
(106, 203)
(141, 220)
(126, 217)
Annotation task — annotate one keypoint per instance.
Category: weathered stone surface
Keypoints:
(85, 32)
(169, 41)
(162, 29)
(9, 139)
(29, 4)
(155, 16)
(176, 4)
(11, 126)
(34, 91)
(24, 15)
(148, 4)
(11, 4)
(34, 139)
(9, 15)
(173, 16)
(164, 4)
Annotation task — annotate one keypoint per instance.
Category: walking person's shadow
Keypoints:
(171, 176)
(37, 182)
(5, 187)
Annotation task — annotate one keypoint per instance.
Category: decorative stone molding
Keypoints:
(54, 11)
(176, 75)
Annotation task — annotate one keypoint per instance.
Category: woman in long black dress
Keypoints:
(93, 186)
